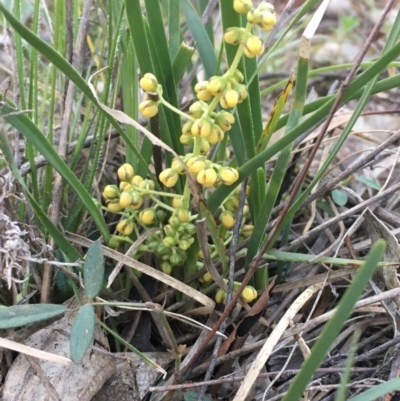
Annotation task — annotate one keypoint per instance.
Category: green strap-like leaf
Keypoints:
(62, 64)
(201, 38)
(335, 324)
(60, 240)
(218, 196)
(37, 138)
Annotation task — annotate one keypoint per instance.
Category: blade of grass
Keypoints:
(335, 324)
(249, 111)
(367, 92)
(223, 191)
(345, 379)
(181, 61)
(62, 64)
(33, 134)
(378, 391)
(60, 240)
(202, 40)
(279, 172)
(174, 27)
(275, 115)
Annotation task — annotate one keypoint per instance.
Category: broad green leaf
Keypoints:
(21, 315)
(370, 183)
(339, 197)
(335, 324)
(82, 332)
(94, 270)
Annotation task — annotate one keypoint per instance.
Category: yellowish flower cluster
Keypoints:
(171, 244)
(262, 16)
(228, 88)
(206, 172)
(204, 126)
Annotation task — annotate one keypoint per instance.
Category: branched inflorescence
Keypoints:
(203, 127)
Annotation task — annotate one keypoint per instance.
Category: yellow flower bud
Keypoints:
(249, 294)
(126, 172)
(205, 146)
(176, 202)
(200, 86)
(148, 108)
(177, 166)
(125, 186)
(187, 127)
(268, 21)
(230, 98)
(146, 216)
(242, 6)
(200, 254)
(227, 219)
(224, 120)
(125, 227)
(197, 109)
(125, 199)
(253, 46)
(231, 203)
(216, 85)
(137, 201)
(147, 184)
(238, 76)
(254, 16)
(196, 164)
(228, 175)
(206, 278)
(207, 177)
(242, 92)
(168, 177)
(204, 95)
(216, 135)
(114, 206)
(247, 230)
(186, 140)
(166, 268)
(220, 296)
(169, 241)
(149, 83)
(183, 215)
(136, 180)
(111, 192)
(201, 128)
(233, 35)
